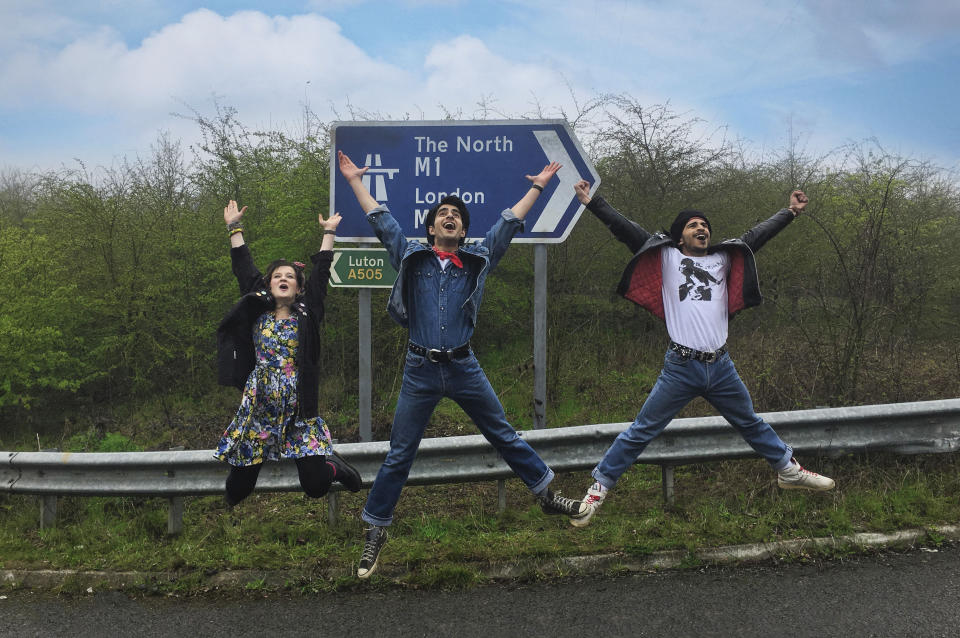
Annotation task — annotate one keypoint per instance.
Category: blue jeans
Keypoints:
(424, 384)
(680, 381)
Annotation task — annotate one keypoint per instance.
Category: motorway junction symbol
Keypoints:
(414, 164)
(361, 268)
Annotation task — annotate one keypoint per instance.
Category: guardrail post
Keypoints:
(48, 505)
(175, 516)
(175, 511)
(667, 474)
(333, 507)
(48, 511)
(501, 496)
(333, 498)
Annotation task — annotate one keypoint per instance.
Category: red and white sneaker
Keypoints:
(591, 503)
(795, 477)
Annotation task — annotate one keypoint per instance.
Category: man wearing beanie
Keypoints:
(695, 288)
(436, 297)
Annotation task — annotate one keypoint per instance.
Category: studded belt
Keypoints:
(697, 355)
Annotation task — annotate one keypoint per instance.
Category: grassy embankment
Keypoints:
(443, 534)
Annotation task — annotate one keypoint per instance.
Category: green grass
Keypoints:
(442, 534)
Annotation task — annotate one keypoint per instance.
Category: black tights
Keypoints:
(315, 473)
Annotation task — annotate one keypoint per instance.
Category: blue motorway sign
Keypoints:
(414, 164)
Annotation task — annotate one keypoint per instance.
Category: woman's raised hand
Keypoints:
(330, 223)
(231, 213)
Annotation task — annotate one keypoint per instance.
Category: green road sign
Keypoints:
(361, 268)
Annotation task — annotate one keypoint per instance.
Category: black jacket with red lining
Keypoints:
(642, 279)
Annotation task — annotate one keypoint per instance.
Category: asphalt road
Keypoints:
(915, 593)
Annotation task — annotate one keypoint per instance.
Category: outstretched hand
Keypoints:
(798, 202)
(231, 214)
(545, 175)
(331, 222)
(582, 189)
(348, 169)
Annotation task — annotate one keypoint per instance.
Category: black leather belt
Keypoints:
(440, 356)
(697, 355)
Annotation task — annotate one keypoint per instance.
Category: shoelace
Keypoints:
(563, 503)
(370, 549)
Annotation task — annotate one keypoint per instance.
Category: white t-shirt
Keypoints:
(695, 298)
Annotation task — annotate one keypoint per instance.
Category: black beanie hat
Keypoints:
(676, 228)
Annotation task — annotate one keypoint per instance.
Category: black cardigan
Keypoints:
(235, 352)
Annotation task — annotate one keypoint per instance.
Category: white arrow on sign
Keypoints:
(333, 267)
(557, 204)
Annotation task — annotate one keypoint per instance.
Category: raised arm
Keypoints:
(354, 177)
(248, 277)
(766, 230)
(316, 287)
(329, 228)
(521, 208)
(629, 232)
(384, 225)
(234, 220)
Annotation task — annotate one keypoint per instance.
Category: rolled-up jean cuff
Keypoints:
(544, 481)
(603, 479)
(373, 520)
(784, 462)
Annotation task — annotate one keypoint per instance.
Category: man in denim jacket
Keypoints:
(695, 288)
(436, 297)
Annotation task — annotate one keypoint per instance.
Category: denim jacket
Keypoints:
(478, 259)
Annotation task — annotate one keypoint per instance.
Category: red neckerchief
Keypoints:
(451, 256)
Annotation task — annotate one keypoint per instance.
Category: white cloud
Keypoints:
(701, 56)
(464, 71)
(246, 55)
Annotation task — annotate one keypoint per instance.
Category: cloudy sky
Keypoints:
(98, 80)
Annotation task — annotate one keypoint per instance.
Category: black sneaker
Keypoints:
(374, 540)
(346, 473)
(555, 504)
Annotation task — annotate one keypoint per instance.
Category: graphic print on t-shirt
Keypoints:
(698, 283)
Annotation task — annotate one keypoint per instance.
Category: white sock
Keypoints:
(597, 485)
(793, 466)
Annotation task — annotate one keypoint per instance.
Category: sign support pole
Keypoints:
(539, 336)
(364, 363)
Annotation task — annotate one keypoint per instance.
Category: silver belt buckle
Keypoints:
(432, 354)
(710, 357)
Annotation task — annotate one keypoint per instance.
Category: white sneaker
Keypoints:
(796, 478)
(591, 503)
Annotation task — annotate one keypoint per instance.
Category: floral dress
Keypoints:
(267, 425)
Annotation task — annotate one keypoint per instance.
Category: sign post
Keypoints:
(363, 268)
(413, 165)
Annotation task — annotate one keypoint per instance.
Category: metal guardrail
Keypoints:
(903, 428)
